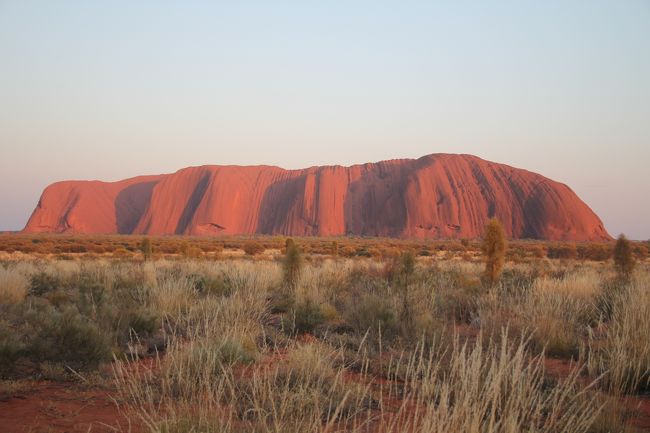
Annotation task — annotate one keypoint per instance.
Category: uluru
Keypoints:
(438, 196)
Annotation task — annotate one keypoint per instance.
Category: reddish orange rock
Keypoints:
(436, 196)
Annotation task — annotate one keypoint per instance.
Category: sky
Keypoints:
(110, 90)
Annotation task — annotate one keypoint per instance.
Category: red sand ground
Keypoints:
(47, 407)
(436, 196)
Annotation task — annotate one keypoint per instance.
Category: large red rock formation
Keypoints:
(436, 196)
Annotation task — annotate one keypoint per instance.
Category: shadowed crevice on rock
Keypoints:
(543, 210)
(278, 209)
(130, 204)
(193, 203)
(374, 203)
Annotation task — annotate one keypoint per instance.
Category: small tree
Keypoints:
(292, 264)
(494, 249)
(623, 258)
(146, 248)
(335, 248)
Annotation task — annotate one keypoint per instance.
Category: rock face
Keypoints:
(436, 196)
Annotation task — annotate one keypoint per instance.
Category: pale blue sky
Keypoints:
(108, 90)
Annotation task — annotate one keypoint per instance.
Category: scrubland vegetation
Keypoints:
(308, 336)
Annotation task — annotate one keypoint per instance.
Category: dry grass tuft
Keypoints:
(622, 353)
(14, 286)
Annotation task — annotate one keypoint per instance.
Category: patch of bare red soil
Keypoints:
(48, 407)
(640, 404)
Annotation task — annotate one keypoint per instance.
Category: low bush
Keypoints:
(375, 314)
(253, 248)
(304, 317)
(143, 322)
(11, 349)
(64, 336)
(219, 285)
(596, 252)
(459, 304)
(42, 282)
(562, 251)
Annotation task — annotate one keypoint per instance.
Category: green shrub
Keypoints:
(65, 336)
(305, 317)
(221, 285)
(11, 348)
(42, 283)
(144, 322)
(233, 351)
(459, 304)
(372, 313)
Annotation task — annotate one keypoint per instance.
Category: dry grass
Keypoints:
(173, 295)
(208, 346)
(492, 387)
(556, 311)
(463, 388)
(619, 348)
(13, 286)
(218, 369)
